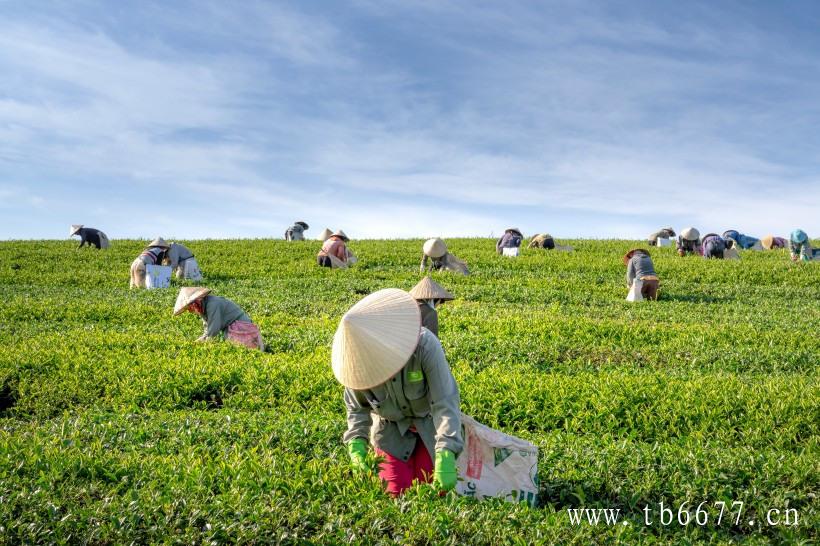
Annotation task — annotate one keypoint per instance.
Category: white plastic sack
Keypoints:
(190, 270)
(635, 292)
(157, 276)
(663, 241)
(494, 464)
(104, 241)
(511, 252)
(731, 254)
(757, 246)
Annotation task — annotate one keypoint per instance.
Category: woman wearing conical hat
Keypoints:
(511, 239)
(334, 252)
(395, 369)
(688, 242)
(153, 254)
(428, 294)
(639, 266)
(435, 251)
(89, 236)
(770, 242)
(296, 232)
(221, 317)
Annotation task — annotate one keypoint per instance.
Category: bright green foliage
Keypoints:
(116, 427)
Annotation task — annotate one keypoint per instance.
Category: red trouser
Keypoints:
(400, 475)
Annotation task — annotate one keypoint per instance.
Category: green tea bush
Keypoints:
(115, 427)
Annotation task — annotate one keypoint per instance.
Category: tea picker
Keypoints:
(713, 246)
(511, 239)
(688, 242)
(153, 255)
(221, 317)
(641, 278)
(89, 236)
(746, 242)
(334, 252)
(546, 242)
(770, 242)
(435, 251)
(800, 248)
(395, 369)
(428, 294)
(665, 233)
(183, 262)
(296, 232)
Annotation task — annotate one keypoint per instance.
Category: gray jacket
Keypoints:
(640, 265)
(177, 254)
(221, 313)
(423, 394)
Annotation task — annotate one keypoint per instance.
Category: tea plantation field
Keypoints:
(115, 427)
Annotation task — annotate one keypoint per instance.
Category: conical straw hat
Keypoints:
(325, 235)
(767, 242)
(428, 289)
(160, 242)
(74, 229)
(515, 229)
(303, 224)
(340, 233)
(435, 248)
(187, 296)
(690, 234)
(375, 338)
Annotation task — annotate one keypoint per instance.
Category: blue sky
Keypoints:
(408, 119)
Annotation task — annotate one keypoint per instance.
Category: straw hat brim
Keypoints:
(375, 339)
(158, 242)
(75, 229)
(428, 289)
(341, 234)
(187, 296)
(690, 234)
(628, 255)
(516, 230)
(303, 224)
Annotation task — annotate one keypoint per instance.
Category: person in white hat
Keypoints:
(688, 242)
(221, 317)
(296, 232)
(394, 368)
(89, 236)
(334, 252)
(153, 254)
(511, 239)
(428, 294)
(435, 251)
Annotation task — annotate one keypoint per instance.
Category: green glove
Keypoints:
(445, 474)
(357, 449)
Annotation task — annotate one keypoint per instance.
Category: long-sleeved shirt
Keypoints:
(423, 395)
(742, 240)
(219, 313)
(152, 255)
(295, 233)
(803, 250)
(429, 316)
(639, 266)
(447, 262)
(177, 254)
(686, 246)
(89, 236)
(334, 246)
(664, 233)
(713, 246)
(510, 239)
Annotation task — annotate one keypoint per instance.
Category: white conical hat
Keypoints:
(435, 247)
(74, 229)
(375, 338)
(325, 235)
(160, 242)
(690, 234)
(340, 233)
(428, 289)
(187, 296)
